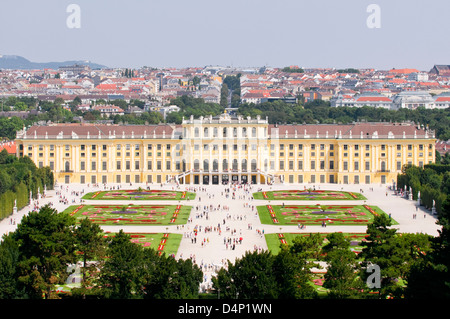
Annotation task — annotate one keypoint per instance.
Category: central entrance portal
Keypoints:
(225, 179)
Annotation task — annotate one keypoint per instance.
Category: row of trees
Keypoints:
(233, 83)
(316, 111)
(432, 181)
(35, 258)
(348, 276)
(19, 177)
(192, 106)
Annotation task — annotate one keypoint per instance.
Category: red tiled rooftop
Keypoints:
(9, 146)
(374, 99)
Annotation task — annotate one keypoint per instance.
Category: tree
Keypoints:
(46, 247)
(251, 277)
(91, 244)
(383, 248)
(167, 278)
(429, 276)
(307, 247)
(341, 277)
(224, 95)
(293, 275)
(9, 258)
(122, 275)
(9, 126)
(293, 266)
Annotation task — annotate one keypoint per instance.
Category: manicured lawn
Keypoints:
(317, 214)
(308, 194)
(167, 243)
(139, 194)
(132, 214)
(275, 240)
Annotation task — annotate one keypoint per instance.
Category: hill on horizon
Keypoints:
(21, 63)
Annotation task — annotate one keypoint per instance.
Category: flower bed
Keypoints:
(308, 195)
(140, 194)
(161, 242)
(135, 214)
(310, 215)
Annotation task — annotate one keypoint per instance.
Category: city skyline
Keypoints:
(320, 34)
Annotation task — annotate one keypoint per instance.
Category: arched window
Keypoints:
(196, 132)
(383, 166)
(206, 165)
(253, 165)
(215, 132)
(235, 164)
(225, 164)
(67, 166)
(253, 131)
(205, 132)
(196, 164)
(215, 165)
(266, 166)
(244, 165)
(224, 132)
(244, 132)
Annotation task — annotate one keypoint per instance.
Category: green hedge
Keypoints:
(412, 176)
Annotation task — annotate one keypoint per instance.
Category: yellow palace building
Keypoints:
(216, 150)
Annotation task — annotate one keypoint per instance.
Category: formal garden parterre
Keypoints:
(308, 194)
(162, 242)
(140, 194)
(318, 214)
(132, 214)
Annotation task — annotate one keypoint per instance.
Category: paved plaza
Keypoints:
(236, 215)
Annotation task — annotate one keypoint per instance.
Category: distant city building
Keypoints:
(9, 146)
(406, 99)
(413, 99)
(373, 100)
(108, 110)
(75, 69)
(443, 147)
(442, 101)
(442, 70)
(418, 76)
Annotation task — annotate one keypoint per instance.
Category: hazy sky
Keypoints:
(245, 33)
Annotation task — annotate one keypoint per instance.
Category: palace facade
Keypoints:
(216, 150)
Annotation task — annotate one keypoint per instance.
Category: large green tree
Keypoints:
(91, 244)
(341, 277)
(9, 258)
(167, 278)
(46, 248)
(429, 276)
(250, 277)
(122, 275)
(384, 249)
